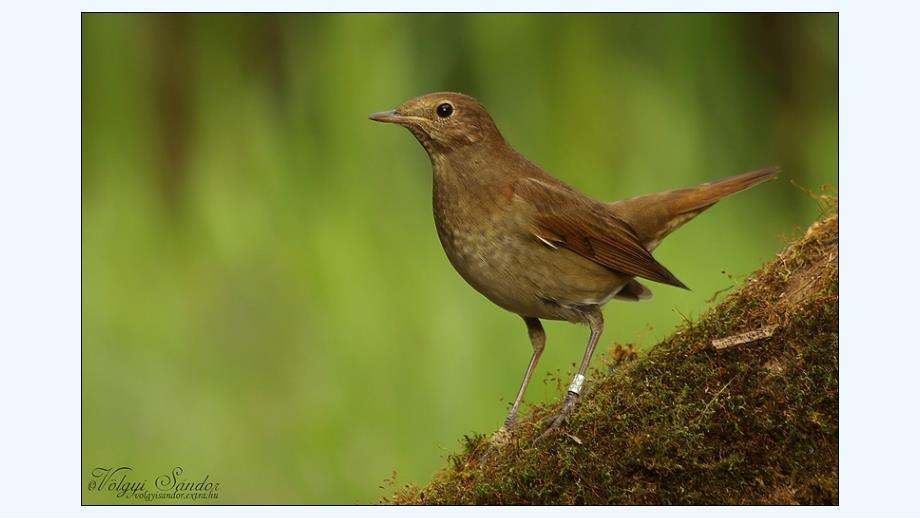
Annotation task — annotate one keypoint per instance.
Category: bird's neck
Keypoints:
(483, 166)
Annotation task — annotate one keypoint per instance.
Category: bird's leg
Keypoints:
(538, 341)
(596, 323)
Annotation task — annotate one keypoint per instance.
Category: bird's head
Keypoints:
(444, 121)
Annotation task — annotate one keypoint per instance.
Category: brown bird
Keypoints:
(530, 243)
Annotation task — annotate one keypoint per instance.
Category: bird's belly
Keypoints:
(524, 276)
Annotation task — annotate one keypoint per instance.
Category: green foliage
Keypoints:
(265, 299)
(687, 424)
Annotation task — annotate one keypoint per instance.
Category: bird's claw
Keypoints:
(502, 436)
(498, 439)
(553, 422)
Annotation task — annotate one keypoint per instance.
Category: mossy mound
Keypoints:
(754, 423)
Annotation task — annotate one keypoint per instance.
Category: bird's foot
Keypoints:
(553, 423)
(502, 436)
(498, 439)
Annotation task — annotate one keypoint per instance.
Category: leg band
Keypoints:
(575, 387)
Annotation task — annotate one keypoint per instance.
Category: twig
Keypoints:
(711, 401)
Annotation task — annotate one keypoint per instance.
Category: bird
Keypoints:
(532, 244)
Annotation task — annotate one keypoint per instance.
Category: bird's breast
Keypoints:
(473, 233)
(479, 238)
(492, 250)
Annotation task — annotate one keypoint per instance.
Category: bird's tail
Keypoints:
(654, 216)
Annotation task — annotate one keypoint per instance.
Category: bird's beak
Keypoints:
(390, 116)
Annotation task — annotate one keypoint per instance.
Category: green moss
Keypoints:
(685, 423)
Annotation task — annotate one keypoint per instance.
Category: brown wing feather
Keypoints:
(566, 218)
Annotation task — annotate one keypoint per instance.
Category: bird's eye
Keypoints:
(444, 110)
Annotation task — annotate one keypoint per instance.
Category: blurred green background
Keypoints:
(265, 298)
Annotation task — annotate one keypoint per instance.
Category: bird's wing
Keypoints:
(562, 217)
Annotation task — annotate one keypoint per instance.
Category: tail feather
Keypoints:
(654, 216)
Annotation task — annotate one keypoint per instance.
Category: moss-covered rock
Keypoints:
(753, 423)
